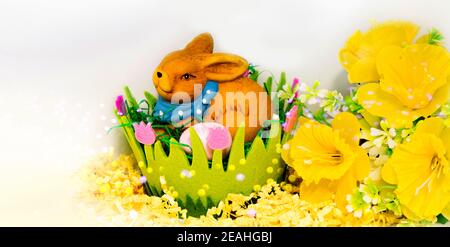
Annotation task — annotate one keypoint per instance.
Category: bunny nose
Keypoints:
(159, 74)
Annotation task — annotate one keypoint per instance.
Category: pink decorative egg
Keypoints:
(213, 136)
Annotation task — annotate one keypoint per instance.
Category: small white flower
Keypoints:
(378, 141)
(312, 101)
(303, 87)
(376, 132)
(349, 208)
(391, 143)
(375, 201)
(322, 93)
(348, 197)
(367, 198)
(358, 213)
(392, 132)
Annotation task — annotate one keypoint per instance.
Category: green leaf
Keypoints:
(389, 152)
(316, 84)
(151, 100)
(441, 219)
(353, 106)
(254, 75)
(282, 81)
(268, 85)
(318, 115)
(130, 97)
(435, 37)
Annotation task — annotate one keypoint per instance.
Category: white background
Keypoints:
(63, 62)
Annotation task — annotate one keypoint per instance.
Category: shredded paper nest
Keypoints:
(113, 189)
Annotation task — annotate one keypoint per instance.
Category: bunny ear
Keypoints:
(203, 43)
(224, 67)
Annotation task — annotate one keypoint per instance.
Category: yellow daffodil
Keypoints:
(359, 54)
(328, 159)
(421, 170)
(446, 211)
(414, 82)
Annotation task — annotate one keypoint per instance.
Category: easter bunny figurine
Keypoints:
(211, 87)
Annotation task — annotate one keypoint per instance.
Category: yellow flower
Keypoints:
(446, 211)
(359, 54)
(414, 82)
(328, 159)
(421, 170)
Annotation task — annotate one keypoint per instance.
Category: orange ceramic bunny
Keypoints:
(226, 96)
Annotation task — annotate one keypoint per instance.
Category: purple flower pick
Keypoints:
(295, 83)
(120, 105)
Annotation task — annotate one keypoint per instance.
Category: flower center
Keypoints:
(334, 158)
(330, 157)
(436, 165)
(437, 169)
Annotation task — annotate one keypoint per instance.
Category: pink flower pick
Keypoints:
(291, 119)
(219, 139)
(144, 133)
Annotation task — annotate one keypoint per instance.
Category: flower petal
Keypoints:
(317, 192)
(439, 98)
(360, 51)
(344, 186)
(421, 189)
(285, 153)
(445, 137)
(380, 103)
(413, 73)
(388, 174)
(363, 71)
(432, 125)
(371, 119)
(319, 153)
(446, 211)
(347, 55)
(362, 164)
(348, 126)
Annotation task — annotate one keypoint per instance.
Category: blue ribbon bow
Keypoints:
(168, 112)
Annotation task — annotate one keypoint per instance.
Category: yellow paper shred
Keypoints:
(113, 187)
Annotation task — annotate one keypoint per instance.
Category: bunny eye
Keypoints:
(187, 76)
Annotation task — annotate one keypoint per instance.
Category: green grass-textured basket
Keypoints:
(200, 185)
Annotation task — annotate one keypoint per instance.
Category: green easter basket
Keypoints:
(199, 185)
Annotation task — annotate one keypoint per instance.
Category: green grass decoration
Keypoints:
(198, 184)
(130, 97)
(151, 100)
(268, 85)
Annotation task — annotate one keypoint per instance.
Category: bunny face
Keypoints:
(180, 70)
